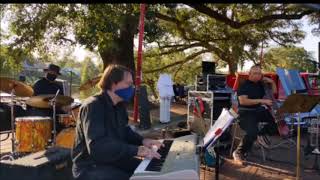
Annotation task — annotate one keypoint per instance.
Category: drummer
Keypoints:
(48, 85)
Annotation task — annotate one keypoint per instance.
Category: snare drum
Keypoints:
(33, 133)
(66, 120)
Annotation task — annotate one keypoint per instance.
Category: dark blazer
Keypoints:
(103, 137)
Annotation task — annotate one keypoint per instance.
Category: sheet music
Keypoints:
(220, 125)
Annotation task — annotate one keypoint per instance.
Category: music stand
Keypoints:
(299, 103)
(221, 124)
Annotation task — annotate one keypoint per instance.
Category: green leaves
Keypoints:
(183, 72)
(10, 60)
(88, 71)
(289, 58)
(232, 32)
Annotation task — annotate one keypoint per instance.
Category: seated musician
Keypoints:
(47, 84)
(44, 86)
(251, 112)
(105, 146)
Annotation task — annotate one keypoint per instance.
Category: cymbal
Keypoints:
(43, 101)
(90, 83)
(20, 89)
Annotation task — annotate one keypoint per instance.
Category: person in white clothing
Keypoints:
(165, 88)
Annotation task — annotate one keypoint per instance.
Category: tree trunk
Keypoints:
(232, 67)
(153, 89)
(122, 50)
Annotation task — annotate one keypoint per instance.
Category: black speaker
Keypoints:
(144, 109)
(5, 115)
(208, 67)
(218, 105)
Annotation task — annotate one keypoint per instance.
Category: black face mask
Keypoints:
(51, 77)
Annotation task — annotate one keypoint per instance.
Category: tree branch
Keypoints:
(173, 20)
(237, 25)
(188, 58)
(69, 40)
(176, 73)
(274, 39)
(250, 56)
(173, 50)
(175, 45)
(183, 31)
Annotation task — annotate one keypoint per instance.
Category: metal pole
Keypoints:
(70, 83)
(298, 149)
(139, 62)
(13, 139)
(53, 104)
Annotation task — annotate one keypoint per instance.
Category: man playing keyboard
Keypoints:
(105, 146)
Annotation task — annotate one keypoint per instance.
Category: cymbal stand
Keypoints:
(298, 173)
(13, 139)
(53, 104)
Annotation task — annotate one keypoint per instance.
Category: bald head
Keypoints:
(255, 73)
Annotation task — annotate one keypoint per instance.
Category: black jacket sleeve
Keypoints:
(133, 137)
(101, 146)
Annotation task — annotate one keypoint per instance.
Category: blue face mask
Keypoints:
(125, 93)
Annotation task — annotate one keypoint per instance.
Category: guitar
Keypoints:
(283, 128)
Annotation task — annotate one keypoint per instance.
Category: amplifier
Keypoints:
(54, 163)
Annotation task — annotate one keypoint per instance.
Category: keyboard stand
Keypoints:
(211, 139)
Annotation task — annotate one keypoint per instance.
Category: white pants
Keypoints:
(165, 109)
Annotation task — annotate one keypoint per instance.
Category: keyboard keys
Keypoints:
(156, 164)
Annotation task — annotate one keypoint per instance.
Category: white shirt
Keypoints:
(165, 86)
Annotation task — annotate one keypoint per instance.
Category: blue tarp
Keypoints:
(291, 81)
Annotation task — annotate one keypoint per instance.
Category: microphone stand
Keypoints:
(53, 104)
(13, 139)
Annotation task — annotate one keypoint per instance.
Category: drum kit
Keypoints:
(34, 133)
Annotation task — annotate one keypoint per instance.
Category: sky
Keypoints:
(310, 43)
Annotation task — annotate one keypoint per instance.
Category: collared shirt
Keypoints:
(254, 90)
(103, 136)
